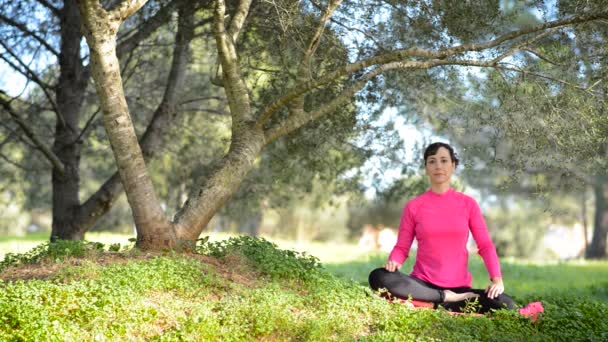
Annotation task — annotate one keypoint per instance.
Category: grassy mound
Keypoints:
(238, 289)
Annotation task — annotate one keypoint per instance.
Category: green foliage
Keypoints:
(535, 143)
(52, 251)
(184, 298)
(265, 256)
(517, 229)
(87, 309)
(319, 215)
(387, 207)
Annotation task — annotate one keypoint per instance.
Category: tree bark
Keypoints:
(71, 220)
(69, 96)
(204, 202)
(597, 248)
(247, 140)
(584, 221)
(100, 28)
(152, 139)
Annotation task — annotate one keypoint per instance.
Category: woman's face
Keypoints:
(439, 167)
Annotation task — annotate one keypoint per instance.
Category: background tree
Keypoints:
(537, 124)
(53, 38)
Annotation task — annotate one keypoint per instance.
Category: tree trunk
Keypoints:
(247, 139)
(204, 202)
(584, 222)
(70, 219)
(153, 138)
(153, 230)
(69, 94)
(251, 224)
(597, 248)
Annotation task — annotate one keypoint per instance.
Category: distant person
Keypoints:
(440, 220)
(369, 238)
(387, 237)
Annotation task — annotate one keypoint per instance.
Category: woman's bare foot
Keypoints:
(451, 296)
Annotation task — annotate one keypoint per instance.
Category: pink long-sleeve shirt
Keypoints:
(441, 223)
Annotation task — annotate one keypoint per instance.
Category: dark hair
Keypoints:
(432, 149)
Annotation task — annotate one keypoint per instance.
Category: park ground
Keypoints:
(241, 288)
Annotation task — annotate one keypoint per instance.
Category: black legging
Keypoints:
(403, 286)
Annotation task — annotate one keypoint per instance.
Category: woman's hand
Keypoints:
(392, 266)
(496, 288)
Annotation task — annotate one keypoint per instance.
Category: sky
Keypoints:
(10, 81)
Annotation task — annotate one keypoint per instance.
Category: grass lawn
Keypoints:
(522, 279)
(22, 244)
(245, 289)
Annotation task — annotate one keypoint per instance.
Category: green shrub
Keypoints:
(265, 256)
(52, 251)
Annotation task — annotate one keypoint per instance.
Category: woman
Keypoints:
(441, 220)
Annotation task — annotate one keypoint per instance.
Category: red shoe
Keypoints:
(532, 310)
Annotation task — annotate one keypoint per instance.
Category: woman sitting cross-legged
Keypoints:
(441, 220)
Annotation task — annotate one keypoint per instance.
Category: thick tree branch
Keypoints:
(100, 29)
(152, 138)
(234, 85)
(331, 77)
(413, 52)
(519, 33)
(101, 201)
(146, 29)
(297, 106)
(93, 15)
(29, 132)
(238, 20)
(24, 29)
(299, 119)
(296, 121)
(125, 9)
